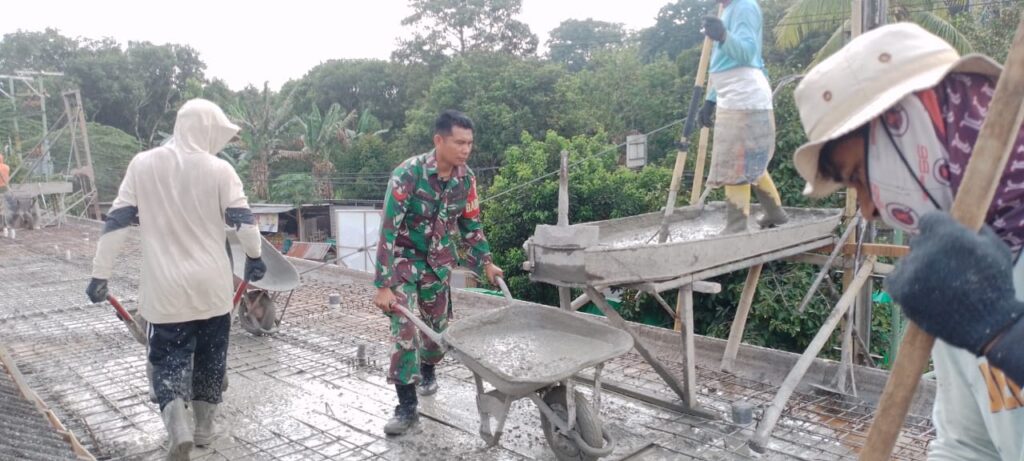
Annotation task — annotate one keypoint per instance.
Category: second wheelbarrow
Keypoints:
(529, 351)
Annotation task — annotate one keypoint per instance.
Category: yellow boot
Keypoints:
(771, 203)
(737, 208)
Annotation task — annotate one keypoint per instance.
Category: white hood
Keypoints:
(202, 127)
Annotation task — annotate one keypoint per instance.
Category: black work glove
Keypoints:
(955, 284)
(97, 290)
(255, 269)
(707, 114)
(714, 28)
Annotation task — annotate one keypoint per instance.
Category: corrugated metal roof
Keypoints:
(270, 209)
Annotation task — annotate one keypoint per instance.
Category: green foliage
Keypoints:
(596, 99)
(807, 18)
(293, 188)
(676, 29)
(574, 42)
(600, 189)
(446, 28)
(385, 88)
(504, 95)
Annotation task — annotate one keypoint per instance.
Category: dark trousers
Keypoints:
(189, 359)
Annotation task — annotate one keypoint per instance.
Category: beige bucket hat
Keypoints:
(863, 79)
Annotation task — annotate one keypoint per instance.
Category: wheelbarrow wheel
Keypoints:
(257, 313)
(587, 425)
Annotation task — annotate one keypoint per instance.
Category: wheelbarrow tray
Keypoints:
(521, 348)
(281, 274)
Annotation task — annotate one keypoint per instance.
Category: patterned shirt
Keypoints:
(962, 102)
(425, 217)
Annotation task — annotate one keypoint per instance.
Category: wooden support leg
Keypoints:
(616, 320)
(771, 415)
(565, 298)
(684, 307)
(739, 323)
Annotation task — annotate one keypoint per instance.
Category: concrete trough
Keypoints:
(625, 251)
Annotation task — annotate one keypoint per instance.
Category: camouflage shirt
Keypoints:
(424, 218)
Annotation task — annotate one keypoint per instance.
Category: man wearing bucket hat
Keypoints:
(739, 106)
(182, 196)
(431, 208)
(895, 115)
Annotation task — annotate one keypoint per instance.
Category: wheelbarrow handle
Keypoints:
(126, 317)
(422, 326)
(239, 292)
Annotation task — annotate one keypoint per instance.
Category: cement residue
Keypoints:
(707, 225)
(528, 351)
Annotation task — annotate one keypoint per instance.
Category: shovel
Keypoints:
(128, 320)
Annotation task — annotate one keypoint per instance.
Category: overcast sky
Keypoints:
(246, 42)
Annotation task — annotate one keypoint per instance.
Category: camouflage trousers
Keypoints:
(433, 296)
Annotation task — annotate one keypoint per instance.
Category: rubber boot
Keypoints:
(207, 431)
(737, 209)
(149, 379)
(771, 203)
(179, 435)
(405, 413)
(428, 381)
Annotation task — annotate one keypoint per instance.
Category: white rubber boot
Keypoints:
(207, 430)
(179, 435)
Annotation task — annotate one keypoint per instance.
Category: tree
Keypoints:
(41, 51)
(807, 17)
(599, 190)
(321, 137)
(446, 28)
(383, 87)
(264, 122)
(574, 42)
(137, 89)
(596, 99)
(677, 28)
(503, 95)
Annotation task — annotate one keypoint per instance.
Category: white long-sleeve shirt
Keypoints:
(181, 193)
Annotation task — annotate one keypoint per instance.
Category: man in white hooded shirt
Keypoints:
(182, 196)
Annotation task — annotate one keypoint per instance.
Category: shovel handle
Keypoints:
(504, 289)
(420, 324)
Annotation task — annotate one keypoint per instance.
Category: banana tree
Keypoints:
(806, 17)
(320, 139)
(264, 124)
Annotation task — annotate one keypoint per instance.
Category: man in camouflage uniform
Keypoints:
(431, 205)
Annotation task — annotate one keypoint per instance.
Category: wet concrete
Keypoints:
(301, 394)
(696, 226)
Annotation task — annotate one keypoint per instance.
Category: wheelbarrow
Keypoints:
(527, 351)
(256, 308)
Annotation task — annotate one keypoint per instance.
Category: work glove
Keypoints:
(714, 28)
(255, 269)
(957, 285)
(707, 114)
(97, 290)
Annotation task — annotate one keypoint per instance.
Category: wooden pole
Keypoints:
(684, 139)
(998, 133)
(771, 415)
(739, 323)
(698, 169)
(564, 295)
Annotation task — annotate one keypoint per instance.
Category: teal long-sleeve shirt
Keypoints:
(743, 40)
